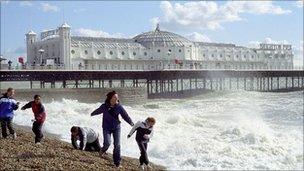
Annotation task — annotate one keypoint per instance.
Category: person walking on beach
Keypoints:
(111, 109)
(144, 132)
(88, 139)
(7, 106)
(39, 114)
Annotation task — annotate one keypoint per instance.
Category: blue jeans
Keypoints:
(107, 142)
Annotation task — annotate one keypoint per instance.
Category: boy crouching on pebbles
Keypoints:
(143, 135)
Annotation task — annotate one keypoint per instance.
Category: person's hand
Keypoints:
(128, 136)
(146, 136)
(18, 103)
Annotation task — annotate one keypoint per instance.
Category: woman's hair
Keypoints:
(109, 96)
(151, 119)
(74, 129)
(36, 96)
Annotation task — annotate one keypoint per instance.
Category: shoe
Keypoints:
(141, 167)
(14, 135)
(102, 154)
(38, 143)
(149, 167)
(118, 167)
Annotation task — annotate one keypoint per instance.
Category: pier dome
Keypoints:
(161, 39)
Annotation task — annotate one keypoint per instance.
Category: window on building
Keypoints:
(204, 55)
(134, 53)
(72, 51)
(179, 50)
(252, 56)
(221, 55)
(158, 50)
(122, 53)
(145, 53)
(86, 52)
(169, 50)
(244, 56)
(111, 53)
(98, 52)
(212, 55)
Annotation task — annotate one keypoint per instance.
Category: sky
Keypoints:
(245, 23)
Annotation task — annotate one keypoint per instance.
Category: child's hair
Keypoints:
(74, 129)
(150, 119)
(36, 96)
(9, 89)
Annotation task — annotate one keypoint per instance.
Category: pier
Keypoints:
(164, 83)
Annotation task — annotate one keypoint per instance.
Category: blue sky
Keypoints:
(241, 22)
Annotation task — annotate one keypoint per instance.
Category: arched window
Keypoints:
(134, 53)
(179, 50)
(98, 52)
(145, 53)
(111, 53)
(86, 52)
(122, 53)
(158, 50)
(72, 51)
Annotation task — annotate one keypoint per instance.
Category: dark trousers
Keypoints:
(94, 146)
(107, 142)
(143, 159)
(37, 131)
(7, 123)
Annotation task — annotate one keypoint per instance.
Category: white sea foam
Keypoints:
(230, 130)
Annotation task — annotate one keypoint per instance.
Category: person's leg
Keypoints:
(96, 145)
(106, 140)
(3, 128)
(89, 147)
(146, 159)
(39, 134)
(10, 126)
(116, 151)
(143, 153)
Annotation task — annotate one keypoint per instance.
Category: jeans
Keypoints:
(107, 142)
(7, 123)
(37, 131)
(143, 152)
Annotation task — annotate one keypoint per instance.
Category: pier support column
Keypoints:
(267, 83)
(286, 82)
(31, 84)
(278, 83)
(237, 83)
(110, 84)
(211, 82)
(292, 82)
(122, 83)
(76, 83)
(64, 84)
(229, 83)
(271, 82)
(195, 83)
(176, 84)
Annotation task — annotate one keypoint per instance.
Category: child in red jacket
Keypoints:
(40, 115)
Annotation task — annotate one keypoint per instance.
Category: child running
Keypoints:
(40, 115)
(143, 135)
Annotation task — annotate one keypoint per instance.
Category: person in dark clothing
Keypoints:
(39, 114)
(7, 106)
(144, 132)
(111, 109)
(88, 139)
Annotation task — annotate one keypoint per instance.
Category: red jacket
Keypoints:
(38, 110)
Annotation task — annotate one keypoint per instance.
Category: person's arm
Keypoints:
(15, 104)
(83, 139)
(125, 116)
(149, 136)
(42, 109)
(28, 105)
(98, 110)
(134, 128)
(73, 139)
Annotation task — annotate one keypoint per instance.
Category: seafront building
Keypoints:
(153, 50)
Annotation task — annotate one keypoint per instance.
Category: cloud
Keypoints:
(26, 3)
(299, 3)
(4, 2)
(79, 10)
(46, 7)
(97, 33)
(209, 15)
(197, 37)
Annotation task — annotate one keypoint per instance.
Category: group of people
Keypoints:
(87, 137)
